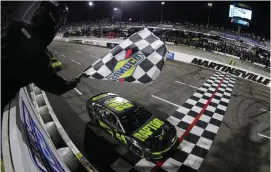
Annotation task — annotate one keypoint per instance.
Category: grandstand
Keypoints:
(250, 48)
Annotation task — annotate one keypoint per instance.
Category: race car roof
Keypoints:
(119, 105)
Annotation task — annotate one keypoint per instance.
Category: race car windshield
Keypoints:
(134, 120)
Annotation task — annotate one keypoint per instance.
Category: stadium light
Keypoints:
(162, 4)
(209, 5)
(115, 9)
(90, 3)
(130, 19)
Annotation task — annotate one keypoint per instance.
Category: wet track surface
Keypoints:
(237, 146)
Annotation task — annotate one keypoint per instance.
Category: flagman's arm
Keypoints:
(48, 80)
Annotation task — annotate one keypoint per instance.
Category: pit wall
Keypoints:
(32, 139)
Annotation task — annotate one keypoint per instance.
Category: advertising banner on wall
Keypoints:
(38, 152)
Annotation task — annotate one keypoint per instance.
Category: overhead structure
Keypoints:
(240, 14)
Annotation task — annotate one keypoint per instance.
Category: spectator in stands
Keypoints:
(25, 58)
(188, 38)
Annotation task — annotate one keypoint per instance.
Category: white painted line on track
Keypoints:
(78, 52)
(77, 91)
(76, 62)
(62, 55)
(261, 135)
(264, 110)
(165, 101)
(187, 84)
(94, 56)
(68, 49)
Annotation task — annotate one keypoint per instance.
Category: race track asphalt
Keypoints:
(237, 146)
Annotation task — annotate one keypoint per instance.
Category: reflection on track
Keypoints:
(98, 150)
(101, 150)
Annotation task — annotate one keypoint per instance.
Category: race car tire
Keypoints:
(137, 151)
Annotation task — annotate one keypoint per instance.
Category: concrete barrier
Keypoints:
(26, 146)
(73, 156)
(32, 137)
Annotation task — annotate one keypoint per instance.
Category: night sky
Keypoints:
(195, 12)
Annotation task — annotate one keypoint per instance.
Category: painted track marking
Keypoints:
(261, 135)
(165, 101)
(71, 59)
(264, 110)
(78, 52)
(186, 84)
(77, 91)
(201, 112)
(189, 128)
(93, 56)
(76, 62)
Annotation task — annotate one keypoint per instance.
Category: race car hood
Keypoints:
(158, 135)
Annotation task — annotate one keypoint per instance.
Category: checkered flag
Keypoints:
(138, 59)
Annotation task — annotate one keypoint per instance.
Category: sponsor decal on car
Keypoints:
(106, 127)
(232, 70)
(119, 104)
(99, 97)
(146, 131)
(119, 136)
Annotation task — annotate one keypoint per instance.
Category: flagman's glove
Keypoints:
(78, 78)
(49, 53)
(84, 75)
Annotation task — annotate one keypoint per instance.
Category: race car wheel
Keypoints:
(136, 150)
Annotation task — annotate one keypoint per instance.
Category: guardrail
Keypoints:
(196, 60)
(33, 139)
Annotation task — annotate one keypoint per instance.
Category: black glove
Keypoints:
(78, 78)
(51, 55)
(82, 75)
